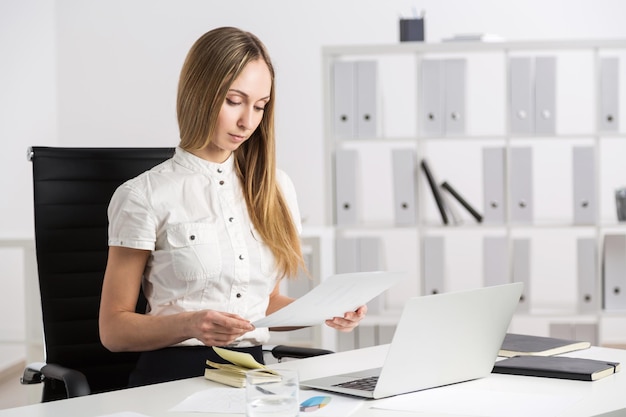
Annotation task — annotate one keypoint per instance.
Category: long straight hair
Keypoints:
(215, 60)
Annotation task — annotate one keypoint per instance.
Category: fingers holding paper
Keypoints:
(216, 328)
(349, 321)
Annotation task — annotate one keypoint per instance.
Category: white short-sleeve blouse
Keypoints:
(205, 252)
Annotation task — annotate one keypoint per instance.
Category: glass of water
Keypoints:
(272, 395)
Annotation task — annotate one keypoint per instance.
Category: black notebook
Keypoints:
(556, 367)
(522, 345)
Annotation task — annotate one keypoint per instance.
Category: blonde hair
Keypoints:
(215, 60)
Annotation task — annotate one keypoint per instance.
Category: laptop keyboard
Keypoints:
(363, 384)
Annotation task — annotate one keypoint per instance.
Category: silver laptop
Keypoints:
(440, 339)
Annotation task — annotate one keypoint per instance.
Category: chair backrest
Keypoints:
(72, 188)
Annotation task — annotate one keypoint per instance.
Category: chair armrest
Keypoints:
(297, 352)
(76, 384)
(32, 374)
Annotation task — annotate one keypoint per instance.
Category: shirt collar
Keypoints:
(195, 163)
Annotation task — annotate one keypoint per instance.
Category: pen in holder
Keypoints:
(412, 29)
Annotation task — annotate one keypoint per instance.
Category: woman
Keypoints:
(209, 233)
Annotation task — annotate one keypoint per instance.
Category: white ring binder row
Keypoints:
(530, 146)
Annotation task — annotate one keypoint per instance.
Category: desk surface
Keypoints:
(592, 398)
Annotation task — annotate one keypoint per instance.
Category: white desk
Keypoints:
(593, 398)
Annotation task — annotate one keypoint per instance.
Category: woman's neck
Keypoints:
(212, 154)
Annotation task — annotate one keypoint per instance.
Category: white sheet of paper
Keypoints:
(233, 400)
(333, 297)
(216, 400)
(473, 402)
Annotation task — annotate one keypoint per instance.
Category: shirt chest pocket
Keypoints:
(266, 259)
(195, 251)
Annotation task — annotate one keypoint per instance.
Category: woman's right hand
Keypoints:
(215, 328)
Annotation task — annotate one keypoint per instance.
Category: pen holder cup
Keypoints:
(620, 204)
(411, 30)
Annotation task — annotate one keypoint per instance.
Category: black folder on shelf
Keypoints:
(446, 186)
(435, 189)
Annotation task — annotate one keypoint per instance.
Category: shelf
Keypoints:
(476, 137)
(464, 47)
(545, 247)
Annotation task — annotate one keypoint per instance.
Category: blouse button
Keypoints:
(230, 219)
(241, 257)
(222, 182)
(238, 295)
(219, 170)
(192, 237)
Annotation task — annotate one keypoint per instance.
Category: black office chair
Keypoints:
(72, 188)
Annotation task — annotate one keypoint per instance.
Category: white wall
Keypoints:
(104, 72)
(117, 63)
(27, 102)
(27, 116)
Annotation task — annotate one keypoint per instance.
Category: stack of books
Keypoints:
(535, 356)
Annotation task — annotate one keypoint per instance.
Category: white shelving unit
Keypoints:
(553, 303)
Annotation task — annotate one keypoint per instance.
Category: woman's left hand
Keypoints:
(349, 320)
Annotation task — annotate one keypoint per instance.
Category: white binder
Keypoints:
(370, 253)
(614, 272)
(365, 335)
(588, 332)
(361, 254)
(521, 271)
(545, 94)
(346, 341)
(371, 259)
(521, 184)
(608, 116)
(584, 182)
(586, 258)
(562, 331)
(344, 100)
(575, 331)
(494, 202)
(346, 255)
(298, 287)
(432, 104)
(433, 265)
(366, 99)
(496, 260)
(385, 333)
(358, 254)
(346, 186)
(454, 103)
(522, 111)
(404, 172)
